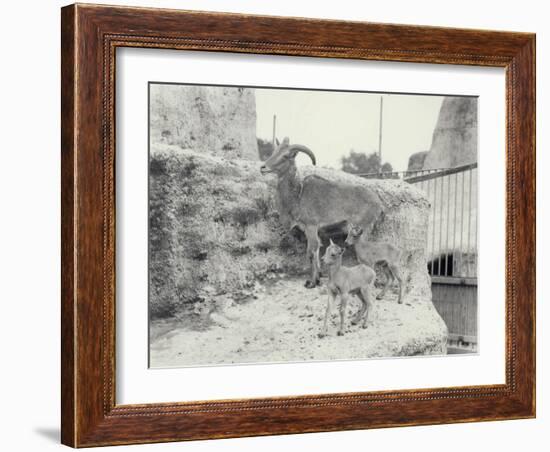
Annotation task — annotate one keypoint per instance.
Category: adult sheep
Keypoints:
(319, 198)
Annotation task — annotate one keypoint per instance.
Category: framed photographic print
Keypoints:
(280, 225)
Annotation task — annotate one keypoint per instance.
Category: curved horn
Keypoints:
(305, 150)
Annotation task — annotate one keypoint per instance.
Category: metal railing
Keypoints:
(405, 175)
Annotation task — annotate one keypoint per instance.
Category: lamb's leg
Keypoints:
(330, 299)
(357, 318)
(343, 305)
(366, 294)
(389, 280)
(313, 245)
(398, 275)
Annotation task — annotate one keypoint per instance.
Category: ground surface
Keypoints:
(282, 323)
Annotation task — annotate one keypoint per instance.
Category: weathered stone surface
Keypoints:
(218, 121)
(455, 136)
(416, 161)
(213, 225)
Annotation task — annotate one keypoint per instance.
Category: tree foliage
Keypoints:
(360, 163)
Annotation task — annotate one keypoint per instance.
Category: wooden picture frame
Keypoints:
(90, 35)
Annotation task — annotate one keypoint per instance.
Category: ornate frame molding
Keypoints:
(90, 37)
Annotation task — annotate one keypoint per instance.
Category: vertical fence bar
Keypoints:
(433, 228)
(476, 220)
(429, 218)
(448, 221)
(454, 226)
(461, 225)
(426, 187)
(439, 250)
(469, 223)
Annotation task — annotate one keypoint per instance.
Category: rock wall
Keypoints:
(213, 229)
(219, 121)
(454, 140)
(416, 161)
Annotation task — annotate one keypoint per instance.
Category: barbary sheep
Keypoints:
(316, 201)
(385, 254)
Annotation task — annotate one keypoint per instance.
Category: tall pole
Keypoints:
(380, 132)
(274, 129)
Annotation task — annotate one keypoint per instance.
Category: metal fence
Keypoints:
(453, 222)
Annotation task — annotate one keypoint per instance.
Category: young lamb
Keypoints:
(356, 280)
(385, 254)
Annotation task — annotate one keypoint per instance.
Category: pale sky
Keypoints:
(332, 123)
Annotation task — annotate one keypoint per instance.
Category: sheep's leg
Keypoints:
(357, 318)
(313, 246)
(343, 305)
(366, 295)
(398, 275)
(389, 280)
(317, 261)
(330, 300)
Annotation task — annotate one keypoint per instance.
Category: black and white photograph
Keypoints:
(293, 225)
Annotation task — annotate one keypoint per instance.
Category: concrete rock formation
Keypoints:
(454, 141)
(416, 161)
(219, 121)
(213, 229)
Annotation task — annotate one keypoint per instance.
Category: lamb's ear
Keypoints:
(286, 141)
(331, 242)
(277, 142)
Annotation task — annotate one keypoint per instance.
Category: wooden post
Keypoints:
(274, 130)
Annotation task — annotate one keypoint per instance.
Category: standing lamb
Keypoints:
(357, 280)
(378, 253)
(322, 198)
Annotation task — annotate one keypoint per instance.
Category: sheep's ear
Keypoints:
(286, 141)
(277, 142)
(331, 242)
